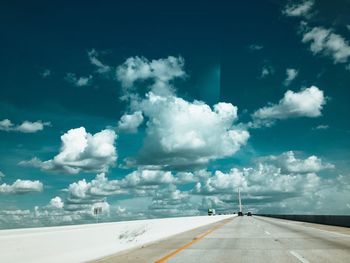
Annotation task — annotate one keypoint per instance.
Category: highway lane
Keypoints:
(248, 239)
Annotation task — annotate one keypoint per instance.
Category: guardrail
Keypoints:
(336, 220)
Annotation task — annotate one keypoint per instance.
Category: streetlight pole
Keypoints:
(239, 200)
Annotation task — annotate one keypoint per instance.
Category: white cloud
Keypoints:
(262, 187)
(6, 125)
(21, 187)
(147, 177)
(322, 127)
(277, 184)
(325, 42)
(24, 127)
(160, 71)
(78, 82)
(291, 75)
(84, 196)
(186, 177)
(1, 175)
(255, 47)
(32, 127)
(301, 9)
(46, 73)
(156, 185)
(215, 202)
(290, 164)
(56, 202)
(96, 189)
(180, 133)
(101, 67)
(266, 71)
(171, 201)
(81, 152)
(221, 183)
(130, 122)
(305, 103)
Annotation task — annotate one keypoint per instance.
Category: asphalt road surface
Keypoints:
(248, 239)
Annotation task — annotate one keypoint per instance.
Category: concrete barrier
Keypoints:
(338, 220)
(81, 243)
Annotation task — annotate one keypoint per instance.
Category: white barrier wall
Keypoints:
(80, 243)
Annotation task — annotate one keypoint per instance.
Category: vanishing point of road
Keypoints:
(247, 239)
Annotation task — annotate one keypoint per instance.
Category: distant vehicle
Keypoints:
(211, 212)
(240, 213)
(249, 214)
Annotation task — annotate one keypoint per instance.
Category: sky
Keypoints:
(148, 109)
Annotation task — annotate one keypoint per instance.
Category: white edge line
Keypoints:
(299, 257)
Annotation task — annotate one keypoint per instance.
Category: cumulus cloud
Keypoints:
(302, 9)
(305, 103)
(146, 183)
(290, 164)
(213, 201)
(24, 127)
(180, 133)
(78, 81)
(81, 152)
(187, 177)
(275, 184)
(21, 187)
(55, 213)
(160, 71)
(291, 75)
(322, 41)
(32, 127)
(221, 183)
(130, 122)
(83, 197)
(326, 43)
(56, 202)
(101, 67)
(96, 189)
(157, 186)
(263, 186)
(6, 125)
(171, 201)
(148, 177)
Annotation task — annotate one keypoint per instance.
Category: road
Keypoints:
(248, 239)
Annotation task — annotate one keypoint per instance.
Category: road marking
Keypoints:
(311, 228)
(166, 257)
(267, 232)
(299, 257)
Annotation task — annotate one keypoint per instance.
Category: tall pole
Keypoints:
(239, 200)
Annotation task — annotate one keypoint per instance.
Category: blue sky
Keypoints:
(155, 110)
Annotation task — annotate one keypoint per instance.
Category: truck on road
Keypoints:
(211, 212)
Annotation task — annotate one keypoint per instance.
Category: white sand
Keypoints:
(80, 243)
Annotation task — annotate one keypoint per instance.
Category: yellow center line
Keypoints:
(196, 239)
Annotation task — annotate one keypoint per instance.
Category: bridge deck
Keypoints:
(248, 239)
